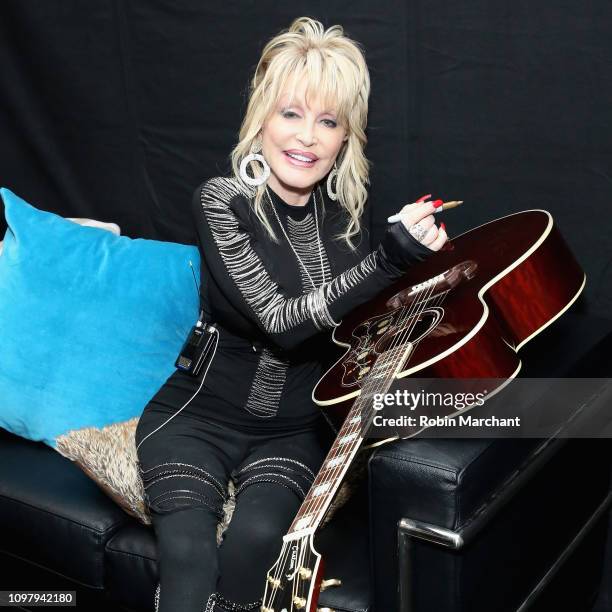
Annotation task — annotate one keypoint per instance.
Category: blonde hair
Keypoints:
(334, 68)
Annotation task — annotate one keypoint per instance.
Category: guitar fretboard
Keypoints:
(348, 440)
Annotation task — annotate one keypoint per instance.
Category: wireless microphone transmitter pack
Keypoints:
(199, 343)
(196, 349)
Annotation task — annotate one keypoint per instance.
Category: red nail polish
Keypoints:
(442, 226)
(438, 203)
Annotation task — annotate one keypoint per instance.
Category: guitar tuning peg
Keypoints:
(325, 584)
(274, 581)
(325, 610)
(305, 573)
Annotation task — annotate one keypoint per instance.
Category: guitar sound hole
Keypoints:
(411, 330)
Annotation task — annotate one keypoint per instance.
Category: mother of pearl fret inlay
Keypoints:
(345, 439)
(336, 461)
(355, 419)
(319, 490)
(303, 522)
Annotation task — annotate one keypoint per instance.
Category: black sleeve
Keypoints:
(288, 321)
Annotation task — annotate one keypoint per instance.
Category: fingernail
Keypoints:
(423, 198)
(437, 203)
(443, 227)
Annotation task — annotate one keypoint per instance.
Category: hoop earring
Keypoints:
(333, 195)
(258, 180)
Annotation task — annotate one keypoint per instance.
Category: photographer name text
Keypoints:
(461, 420)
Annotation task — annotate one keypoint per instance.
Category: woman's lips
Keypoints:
(299, 162)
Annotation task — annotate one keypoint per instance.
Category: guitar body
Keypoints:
(461, 315)
(499, 285)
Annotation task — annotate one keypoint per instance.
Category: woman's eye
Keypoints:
(289, 114)
(330, 123)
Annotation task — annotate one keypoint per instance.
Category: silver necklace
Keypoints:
(291, 245)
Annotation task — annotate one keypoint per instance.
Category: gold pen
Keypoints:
(449, 205)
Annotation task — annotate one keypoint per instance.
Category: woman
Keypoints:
(279, 271)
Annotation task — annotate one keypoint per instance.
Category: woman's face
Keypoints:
(298, 130)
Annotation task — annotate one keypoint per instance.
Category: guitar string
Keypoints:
(412, 311)
(295, 580)
(398, 340)
(303, 551)
(314, 505)
(315, 509)
(280, 564)
(299, 563)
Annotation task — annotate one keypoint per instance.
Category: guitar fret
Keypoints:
(348, 439)
(376, 379)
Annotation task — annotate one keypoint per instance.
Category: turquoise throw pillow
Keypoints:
(90, 323)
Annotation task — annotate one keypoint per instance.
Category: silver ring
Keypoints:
(418, 231)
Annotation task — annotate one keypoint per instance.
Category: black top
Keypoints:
(257, 291)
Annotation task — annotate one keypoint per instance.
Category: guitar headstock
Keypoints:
(296, 578)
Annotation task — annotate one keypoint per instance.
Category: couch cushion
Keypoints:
(131, 566)
(51, 513)
(91, 322)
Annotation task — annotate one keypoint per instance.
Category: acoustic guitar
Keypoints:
(462, 314)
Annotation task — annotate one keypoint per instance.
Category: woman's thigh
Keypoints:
(291, 461)
(184, 461)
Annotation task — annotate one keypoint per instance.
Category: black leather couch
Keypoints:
(439, 525)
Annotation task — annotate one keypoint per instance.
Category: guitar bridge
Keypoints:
(447, 280)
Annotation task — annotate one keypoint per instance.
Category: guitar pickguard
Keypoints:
(377, 334)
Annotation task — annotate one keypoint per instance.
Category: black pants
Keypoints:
(186, 466)
(194, 574)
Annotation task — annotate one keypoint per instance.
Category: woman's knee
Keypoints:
(187, 536)
(263, 514)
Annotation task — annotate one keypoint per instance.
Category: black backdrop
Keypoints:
(117, 110)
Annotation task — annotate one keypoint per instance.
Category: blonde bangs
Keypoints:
(325, 82)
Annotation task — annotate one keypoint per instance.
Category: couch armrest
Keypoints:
(447, 487)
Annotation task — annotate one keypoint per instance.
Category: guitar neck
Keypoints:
(347, 442)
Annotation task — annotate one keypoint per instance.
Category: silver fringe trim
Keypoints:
(161, 499)
(284, 471)
(268, 460)
(276, 312)
(303, 235)
(217, 603)
(267, 387)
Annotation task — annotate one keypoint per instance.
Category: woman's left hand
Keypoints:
(424, 229)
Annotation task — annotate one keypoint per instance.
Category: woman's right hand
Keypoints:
(419, 220)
